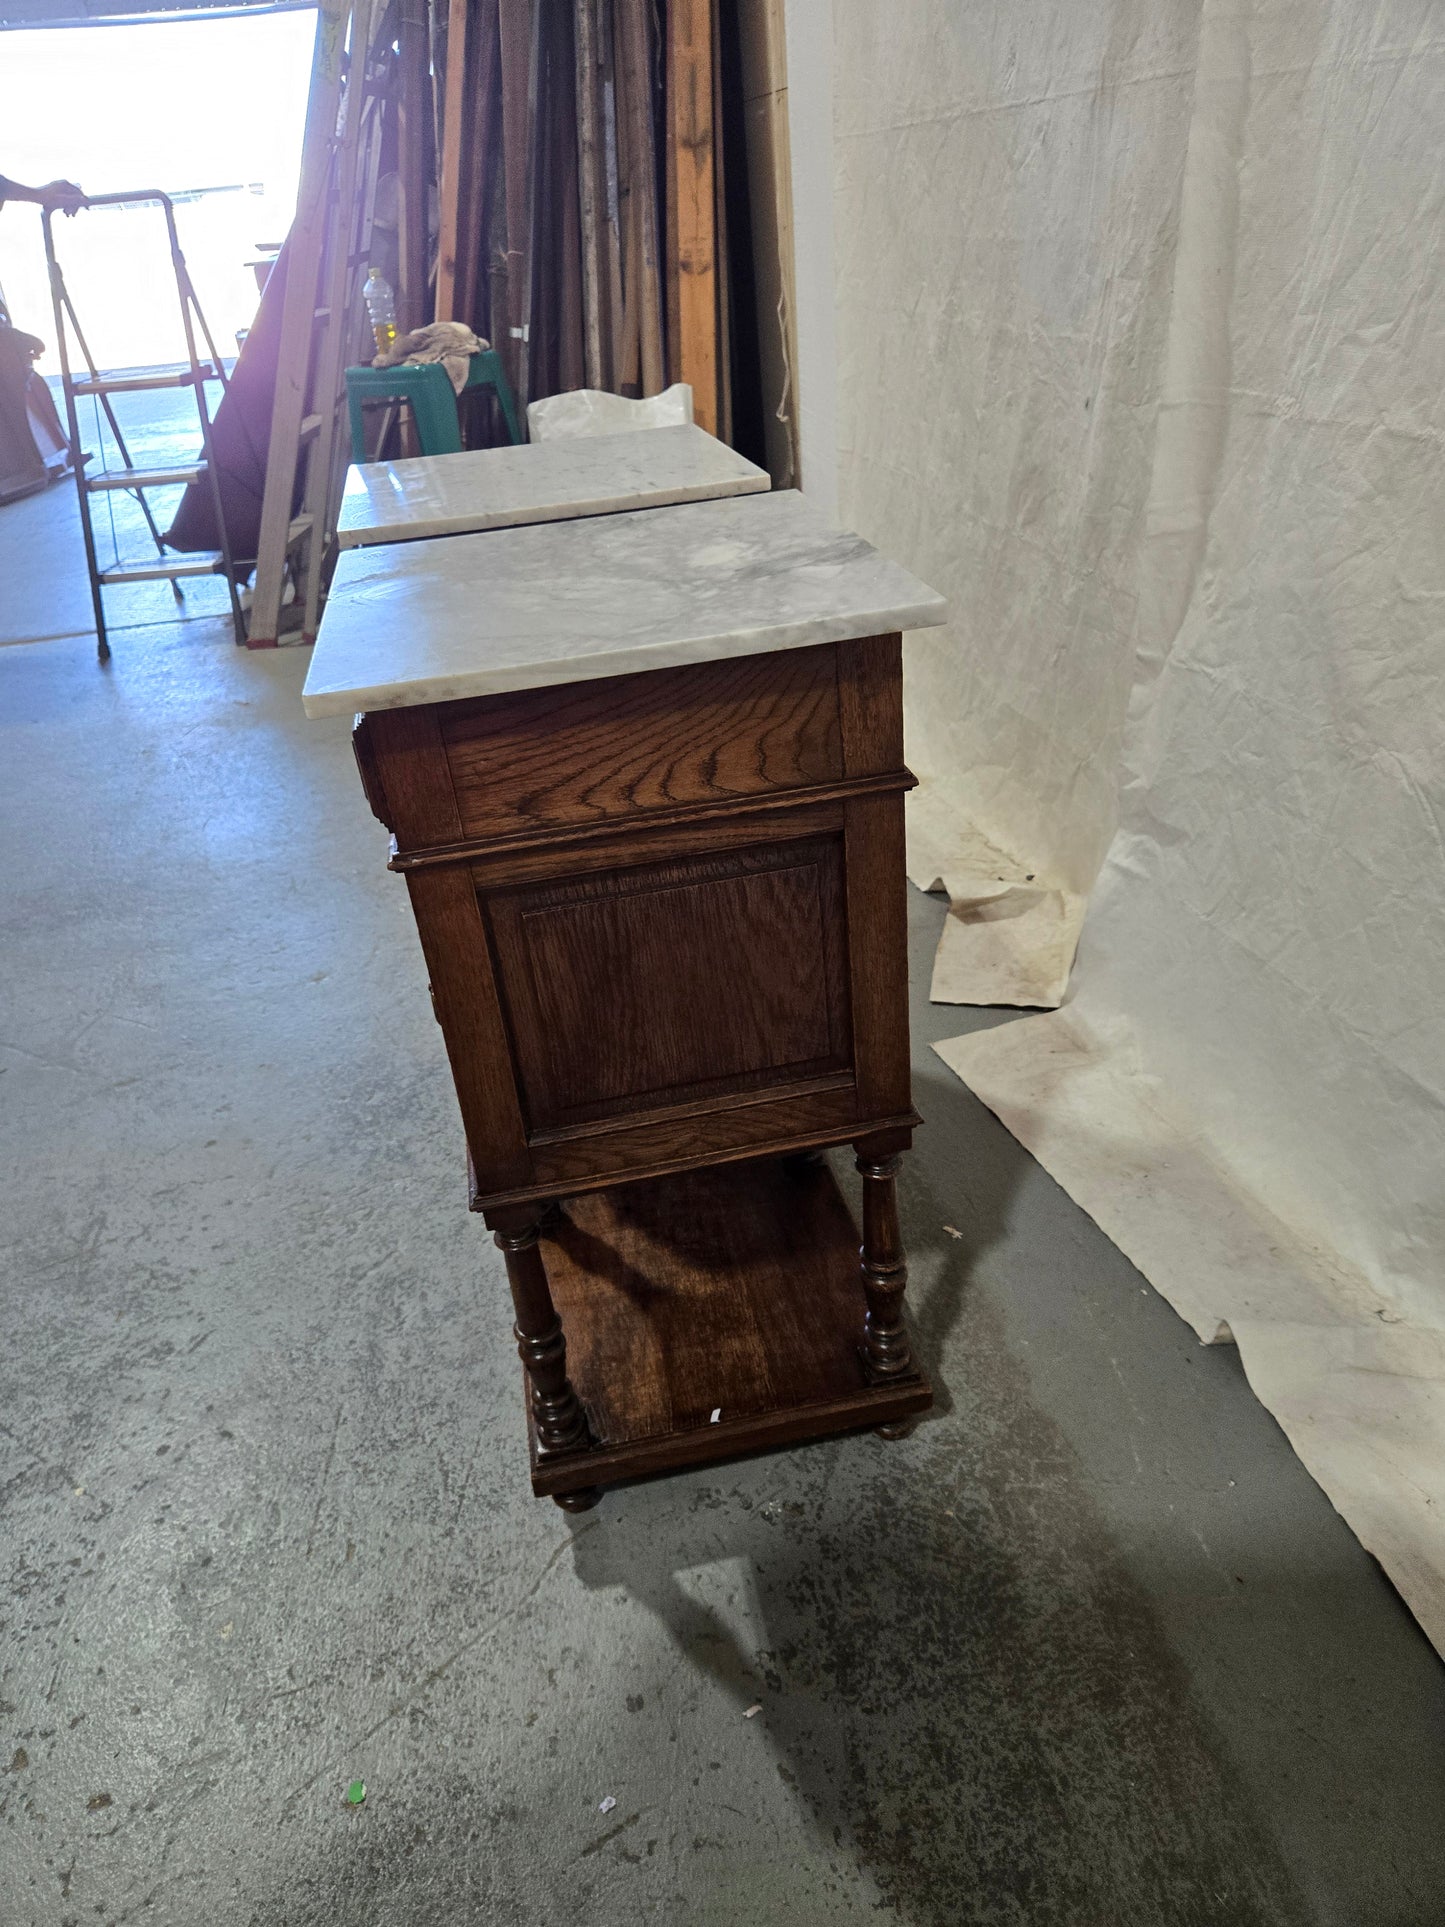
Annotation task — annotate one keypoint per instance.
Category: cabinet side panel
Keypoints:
(653, 986)
(464, 992)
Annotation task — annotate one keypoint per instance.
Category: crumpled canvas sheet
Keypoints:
(1169, 315)
(1010, 934)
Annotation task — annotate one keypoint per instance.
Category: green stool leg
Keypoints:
(434, 404)
(503, 390)
(486, 371)
(358, 424)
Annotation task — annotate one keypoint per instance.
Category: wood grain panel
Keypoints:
(664, 983)
(533, 863)
(681, 1142)
(878, 953)
(593, 751)
(406, 752)
(464, 996)
(870, 704)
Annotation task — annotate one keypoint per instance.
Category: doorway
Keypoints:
(211, 110)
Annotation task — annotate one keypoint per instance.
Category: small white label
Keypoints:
(716, 1415)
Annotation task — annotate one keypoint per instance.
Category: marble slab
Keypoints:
(494, 488)
(523, 608)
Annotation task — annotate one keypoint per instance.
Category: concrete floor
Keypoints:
(1090, 1647)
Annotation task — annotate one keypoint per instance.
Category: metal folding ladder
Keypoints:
(135, 481)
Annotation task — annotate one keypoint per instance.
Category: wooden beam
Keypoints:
(591, 186)
(635, 77)
(692, 206)
(455, 126)
(413, 116)
(483, 111)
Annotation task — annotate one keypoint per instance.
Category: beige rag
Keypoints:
(451, 343)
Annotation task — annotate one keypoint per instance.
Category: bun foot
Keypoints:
(582, 1501)
(897, 1428)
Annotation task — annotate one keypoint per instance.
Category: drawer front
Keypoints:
(643, 990)
(622, 746)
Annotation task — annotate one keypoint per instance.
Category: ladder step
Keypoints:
(145, 477)
(134, 384)
(300, 525)
(309, 426)
(162, 568)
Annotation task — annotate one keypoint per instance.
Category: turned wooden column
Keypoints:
(885, 1272)
(541, 1345)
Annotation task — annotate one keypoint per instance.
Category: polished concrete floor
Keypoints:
(1090, 1648)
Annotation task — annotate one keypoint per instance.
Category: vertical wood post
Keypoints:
(885, 1272)
(414, 115)
(454, 211)
(692, 206)
(560, 1420)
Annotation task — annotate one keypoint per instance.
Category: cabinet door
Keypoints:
(661, 985)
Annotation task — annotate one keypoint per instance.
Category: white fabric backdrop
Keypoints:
(1141, 360)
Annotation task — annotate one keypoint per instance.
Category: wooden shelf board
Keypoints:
(734, 1289)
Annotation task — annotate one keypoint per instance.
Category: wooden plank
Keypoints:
(770, 206)
(611, 167)
(517, 29)
(635, 90)
(455, 127)
(724, 274)
(571, 368)
(484, 115)
(297, 321)
(692, 204)
(325, 457)
(413, 120)
(591, 188)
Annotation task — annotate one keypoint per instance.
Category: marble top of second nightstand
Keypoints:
(524, 608)
(494, 488)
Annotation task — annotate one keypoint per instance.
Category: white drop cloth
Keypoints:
(1149, 382)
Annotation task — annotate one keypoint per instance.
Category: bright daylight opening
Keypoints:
(211, 112)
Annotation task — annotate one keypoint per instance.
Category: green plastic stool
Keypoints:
(433, 400)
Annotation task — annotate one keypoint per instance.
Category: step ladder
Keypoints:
(135, 480)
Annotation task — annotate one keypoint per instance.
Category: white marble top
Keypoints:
(496, 488)
(522, 608)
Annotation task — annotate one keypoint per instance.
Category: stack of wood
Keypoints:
(600, 188)
(582, 182)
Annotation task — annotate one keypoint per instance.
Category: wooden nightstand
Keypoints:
(663, 914)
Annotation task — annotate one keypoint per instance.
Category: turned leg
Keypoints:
(885, 1274)
(560, 1421)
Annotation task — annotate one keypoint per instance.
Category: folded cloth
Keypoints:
(451, 343)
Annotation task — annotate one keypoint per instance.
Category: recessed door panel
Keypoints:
(656, 986)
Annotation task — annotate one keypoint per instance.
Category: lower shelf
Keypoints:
(732, 1292)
